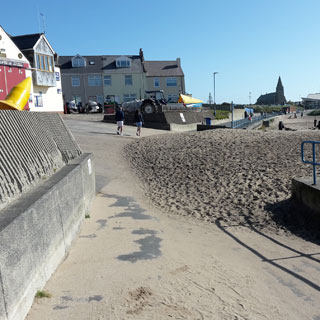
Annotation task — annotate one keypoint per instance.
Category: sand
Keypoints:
(234, 176)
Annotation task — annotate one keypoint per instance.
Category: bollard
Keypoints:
(281, 126)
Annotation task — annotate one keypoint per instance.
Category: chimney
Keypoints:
(178, 62)
(141, 54)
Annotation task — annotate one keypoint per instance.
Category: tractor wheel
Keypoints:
(148, 109)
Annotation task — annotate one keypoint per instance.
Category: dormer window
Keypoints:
(123, 62)
(78, 61)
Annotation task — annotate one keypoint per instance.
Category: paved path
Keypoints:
(132, 262)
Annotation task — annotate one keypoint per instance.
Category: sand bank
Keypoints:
(236, 176)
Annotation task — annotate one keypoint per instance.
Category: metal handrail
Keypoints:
(244, 122)
(314, 161)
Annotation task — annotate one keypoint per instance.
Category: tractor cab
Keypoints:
(157, 96)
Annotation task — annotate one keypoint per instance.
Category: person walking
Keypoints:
(138, 120)
(120, 120)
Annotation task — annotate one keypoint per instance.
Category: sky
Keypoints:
(250, 43)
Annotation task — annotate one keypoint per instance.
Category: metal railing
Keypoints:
(246, 122)
(314, 161)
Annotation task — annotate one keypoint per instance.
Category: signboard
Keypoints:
(182, 117)
(57, 76)
(11, 63)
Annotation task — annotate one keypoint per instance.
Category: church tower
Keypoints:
(280, 98)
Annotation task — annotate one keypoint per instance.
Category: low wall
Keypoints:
(163, 120)
(307, 194)
(36, 231)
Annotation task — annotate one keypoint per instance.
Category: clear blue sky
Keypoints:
(249, 42)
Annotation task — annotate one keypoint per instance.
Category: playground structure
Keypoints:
(18, 96)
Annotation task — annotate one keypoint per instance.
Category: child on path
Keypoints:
(138, 119)
(120, 120)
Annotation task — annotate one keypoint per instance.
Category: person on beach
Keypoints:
(120, 120)
(138, 120)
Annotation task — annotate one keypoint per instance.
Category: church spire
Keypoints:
(280, 98)
(279, 85)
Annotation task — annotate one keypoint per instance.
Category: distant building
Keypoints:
(312, 101)
(273, 98)
(126, 77)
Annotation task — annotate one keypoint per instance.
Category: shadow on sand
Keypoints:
(274, 262)
(295, 218)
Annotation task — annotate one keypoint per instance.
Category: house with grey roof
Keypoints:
(167, 76)
(82, 78)
(125, 77)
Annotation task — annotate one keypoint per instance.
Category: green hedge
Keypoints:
(222, 114)
(314, 113)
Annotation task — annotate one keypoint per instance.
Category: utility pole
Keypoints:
(249, 97)
(43, 23)
(214, 91)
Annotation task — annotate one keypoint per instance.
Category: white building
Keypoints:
(46, 78)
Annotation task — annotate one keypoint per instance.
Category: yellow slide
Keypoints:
(18, 96)
(188, 100)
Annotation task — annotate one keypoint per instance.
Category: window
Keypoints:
(156, 82)
(100, 99)
(107, 80)
(44, 63)
(173, 98)
(128, 80)
(38, 62)
(50, 64)
(171, 82)
(129, 97)
(38, 101)
(78, 62)
(123, 63)
(75, 81)
(94, 81)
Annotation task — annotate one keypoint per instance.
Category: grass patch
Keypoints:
(314, 113)
(43, 294)
(222, 114)
(87, 215)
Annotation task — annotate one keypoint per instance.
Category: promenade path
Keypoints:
(130, 261)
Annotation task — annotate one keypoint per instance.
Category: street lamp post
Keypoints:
(214, 91)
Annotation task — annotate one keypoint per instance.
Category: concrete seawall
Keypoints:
(46, 188)
(33, 145)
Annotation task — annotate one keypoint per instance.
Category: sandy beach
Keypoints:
(184, 227)
(232, 176)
